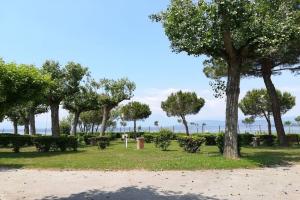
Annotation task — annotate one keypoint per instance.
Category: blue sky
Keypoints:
(114, 39)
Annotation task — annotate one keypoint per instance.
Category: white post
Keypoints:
(126, 142)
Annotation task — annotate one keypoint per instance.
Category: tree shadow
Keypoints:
(35, 154)
(272, 159)
(132, 193)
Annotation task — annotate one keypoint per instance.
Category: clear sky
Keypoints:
(114, 39)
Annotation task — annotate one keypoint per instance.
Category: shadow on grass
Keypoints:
(132, 193)
(35, 154)
(272, 158)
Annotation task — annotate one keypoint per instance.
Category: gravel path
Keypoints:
(267, 183)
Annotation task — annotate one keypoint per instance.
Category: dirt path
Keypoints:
(268, 183)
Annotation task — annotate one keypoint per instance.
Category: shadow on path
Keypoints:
(132, 193)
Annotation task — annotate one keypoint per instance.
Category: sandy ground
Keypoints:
(268, 183)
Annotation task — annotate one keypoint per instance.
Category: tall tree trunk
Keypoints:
(232, 98)
(134, 126)
(104, 120)
(93, 126)
(185, 125)
(267, 72)
(55, 119)
(75, 122)
(269, 124)
(26, 127)
(32, 122)
(15, 124)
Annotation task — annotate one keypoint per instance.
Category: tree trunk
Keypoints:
(55, 119)
(15, 124)
(93, 126)
(269, 125)
(26, 128)
(134, 126)
(232, 99)
(104, 120)
(266, 72)
(185, 125)
(75, 123)
(32, 122)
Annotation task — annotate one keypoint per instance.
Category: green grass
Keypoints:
(116, 157)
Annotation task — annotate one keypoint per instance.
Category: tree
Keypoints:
(65, 82)
(181, 104)
(230, 30)
(20, 84)
(113, 92)
(90, 120)
(134, 111)
(248, 121)
(83, 100)
(297, 119)
(257, 103)
(289, 124)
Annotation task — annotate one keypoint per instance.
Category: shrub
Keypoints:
(46, 143)
(87, 139)
(293, 138)
(149, 137)
(177, 135)
(246, 139)
(101, 141)
(15, 141)
(267, 140)
(163, 139)
(134, 135)
(191, 144)
(220, 143)
(210, 139)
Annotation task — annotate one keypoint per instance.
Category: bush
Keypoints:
(293, 138)
(47, 143)
(220, 143)
(134, 135)
(101, 141)
(149, 137)
(15, 141)
(267, 140)
(87, 139)
(246, 139)
(191, 144)
(210, 139)
(163, 139)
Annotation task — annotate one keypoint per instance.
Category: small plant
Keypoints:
(163, 139)
(102, 141)
(191, 144)
(149, 137)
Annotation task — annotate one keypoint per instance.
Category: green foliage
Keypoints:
(293, 139)
(47, 143)
(182, 103)
(246, 139)
(149, 137)
(65, 127)
(191, 144)
(101, 141)
(19, 84)
(210, 139)
(267, 140)
(257, 103)
(163, 139)
(297, 119)
(16, 142)
(134, 111)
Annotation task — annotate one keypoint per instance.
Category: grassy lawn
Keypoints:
(116, 157)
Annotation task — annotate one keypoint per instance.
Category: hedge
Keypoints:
(246, 139)
(191, 144)
(42, 143)
(102, 141)
(267, 140)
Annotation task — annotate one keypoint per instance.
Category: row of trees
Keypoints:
(240, 38)
(26, 91)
